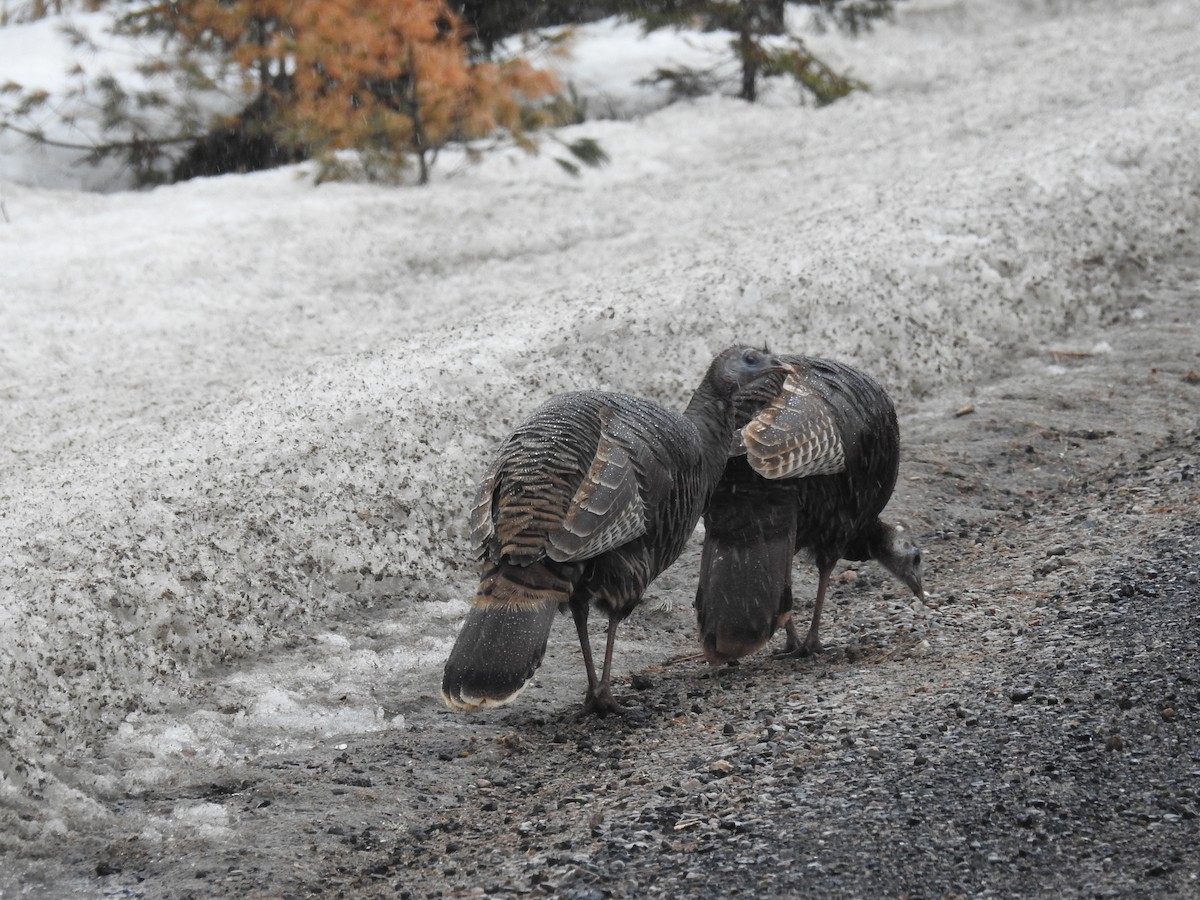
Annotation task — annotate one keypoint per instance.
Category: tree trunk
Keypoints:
(772, 14)
(748, 50)
(420, 141)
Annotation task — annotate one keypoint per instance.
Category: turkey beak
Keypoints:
(777, 365)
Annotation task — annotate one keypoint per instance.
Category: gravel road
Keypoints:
(1032, 730)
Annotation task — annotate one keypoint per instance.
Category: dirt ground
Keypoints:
(1032, 730)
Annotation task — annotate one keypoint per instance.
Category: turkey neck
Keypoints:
(712, 414)
(872, 542)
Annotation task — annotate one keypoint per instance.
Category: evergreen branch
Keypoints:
(39, 137)
(589, 152)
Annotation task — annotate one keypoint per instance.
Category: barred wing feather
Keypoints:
(794, 436)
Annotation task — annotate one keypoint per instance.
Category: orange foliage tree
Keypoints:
(392, 79)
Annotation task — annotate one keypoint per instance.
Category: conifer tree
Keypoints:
(493, 20)
(392, 79)
(750, 21)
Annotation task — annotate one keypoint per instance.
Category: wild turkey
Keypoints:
(812, 470)
(587, 502)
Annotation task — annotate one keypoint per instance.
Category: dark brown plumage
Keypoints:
(812, 470)
(586, 503)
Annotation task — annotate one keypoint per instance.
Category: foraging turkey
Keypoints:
(812, 470)
(587, 502)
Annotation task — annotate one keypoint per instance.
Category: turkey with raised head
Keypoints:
(586, 503)
(811, 470)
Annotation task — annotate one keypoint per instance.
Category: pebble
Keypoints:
(1046, 566)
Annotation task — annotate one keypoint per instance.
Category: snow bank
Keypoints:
(236, 407)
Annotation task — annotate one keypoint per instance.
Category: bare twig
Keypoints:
(682, 658)
(1060, 355)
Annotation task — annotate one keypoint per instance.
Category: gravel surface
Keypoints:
(1031, 730)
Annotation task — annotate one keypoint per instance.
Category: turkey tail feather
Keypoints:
(504, 637)
(743, 594)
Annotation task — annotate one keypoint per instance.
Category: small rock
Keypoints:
(1168, 714)
(728, 729)
(1021, 694)
(1057, 550)
(1114, 743)
(1046, 566)
(641, 682)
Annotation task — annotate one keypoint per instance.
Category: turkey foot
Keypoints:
(602, 703)
(797, 649)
